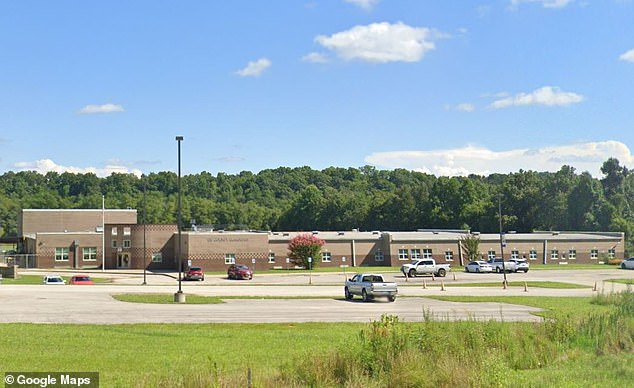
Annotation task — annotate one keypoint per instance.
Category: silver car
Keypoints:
(520, 265)
(54, 280)
(628, 263)
(478, 266)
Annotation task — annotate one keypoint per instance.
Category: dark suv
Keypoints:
(194, 273)
(238, 271)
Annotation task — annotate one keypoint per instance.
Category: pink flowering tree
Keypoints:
(303, 246)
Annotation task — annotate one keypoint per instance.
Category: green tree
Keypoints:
(614, 177)
(306, 212)
(470, 246)
(305, 246)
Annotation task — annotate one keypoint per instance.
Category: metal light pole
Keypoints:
(103, 233)
(179, 297)
(501, 238)
(144, 244)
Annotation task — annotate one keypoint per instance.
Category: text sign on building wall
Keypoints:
(227, 239)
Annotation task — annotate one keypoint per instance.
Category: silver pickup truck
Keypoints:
(369, 286)
(425, 267)
(498, 264)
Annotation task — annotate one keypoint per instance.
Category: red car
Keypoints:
(194, 273)
(238, 271)
(81, 279)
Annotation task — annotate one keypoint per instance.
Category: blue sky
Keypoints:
(444, 87)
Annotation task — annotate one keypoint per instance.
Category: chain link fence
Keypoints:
(21, 260)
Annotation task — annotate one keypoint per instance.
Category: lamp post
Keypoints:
(103, 233)
(502, 242)
(144, 231)
(179, 297)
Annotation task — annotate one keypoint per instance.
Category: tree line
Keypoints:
(337, 198)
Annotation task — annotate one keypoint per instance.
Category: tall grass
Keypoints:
(389, 353)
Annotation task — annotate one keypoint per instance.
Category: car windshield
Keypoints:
(81, 278)
(195, 269)
(54, 280)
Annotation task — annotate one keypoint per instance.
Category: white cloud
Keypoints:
(547, 95)
(255, 68)
(43, 166)
(381, 43)
(481, 161)
(365, 4)
(544, 3)
(315, 58)
(105, 108)
(465, 107)
(627, 56)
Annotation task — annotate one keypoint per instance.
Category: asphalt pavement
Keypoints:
(322, 292)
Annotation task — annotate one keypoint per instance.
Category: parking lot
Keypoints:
(294, 297)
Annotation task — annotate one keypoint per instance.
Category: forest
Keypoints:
(337, 198)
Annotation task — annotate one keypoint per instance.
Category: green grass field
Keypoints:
(622, 281)
(538, 284)
(165, 298)
(144, 354)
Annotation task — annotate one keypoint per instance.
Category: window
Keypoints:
(402, 254)
(114, 230)
(415, 254)
(532, 255)
(89, 253)
(448, 256)
(378, 256)
(491, 254)
(126, 231)
(271, 258)
(126, 243)
(427, 254)
(326, 257)
(114, 243)
(594, 254)
(157, 257)
(554, 254)
(572, 254)
(230, 258)
(61, 254)
(611, 253)
(515, 254)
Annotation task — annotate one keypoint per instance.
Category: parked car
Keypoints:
(425, 267)
(54, 280)
(628, 263)
(81, 280)
(520, 265)
(369, 286)
(498, 263)
(194, 273)
(478, 266)
(239, 271)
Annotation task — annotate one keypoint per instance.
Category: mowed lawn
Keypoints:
(129, 354)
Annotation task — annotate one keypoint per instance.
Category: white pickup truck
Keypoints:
(369, 286)
(498, 263)
(425, 267)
